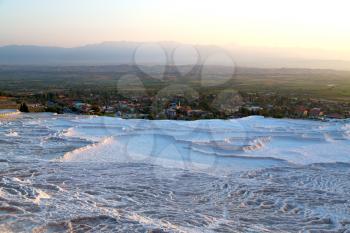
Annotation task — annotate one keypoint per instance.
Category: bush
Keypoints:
(23, 108)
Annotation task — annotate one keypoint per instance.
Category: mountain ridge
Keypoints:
(122, 52)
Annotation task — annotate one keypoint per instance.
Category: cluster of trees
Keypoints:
(24, 108)
(277, 112)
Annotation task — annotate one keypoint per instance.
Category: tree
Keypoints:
(55, 109)
(24, 108)
(95, 108)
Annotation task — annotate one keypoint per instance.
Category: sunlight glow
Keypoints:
(311, 24)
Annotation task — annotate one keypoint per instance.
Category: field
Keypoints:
(323, 84)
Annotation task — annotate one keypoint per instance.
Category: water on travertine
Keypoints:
(69, 173)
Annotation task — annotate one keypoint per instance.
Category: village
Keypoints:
(178, 107)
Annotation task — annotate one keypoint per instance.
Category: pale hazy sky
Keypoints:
(283, 23)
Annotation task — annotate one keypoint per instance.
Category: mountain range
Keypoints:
(110, 53)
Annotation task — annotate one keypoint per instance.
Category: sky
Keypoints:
(321, 24)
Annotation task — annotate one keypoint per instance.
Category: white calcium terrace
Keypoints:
(8, 112)
(100, 174)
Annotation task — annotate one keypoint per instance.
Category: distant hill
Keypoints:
(107, 53)
(116, 53)
(101, 54)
